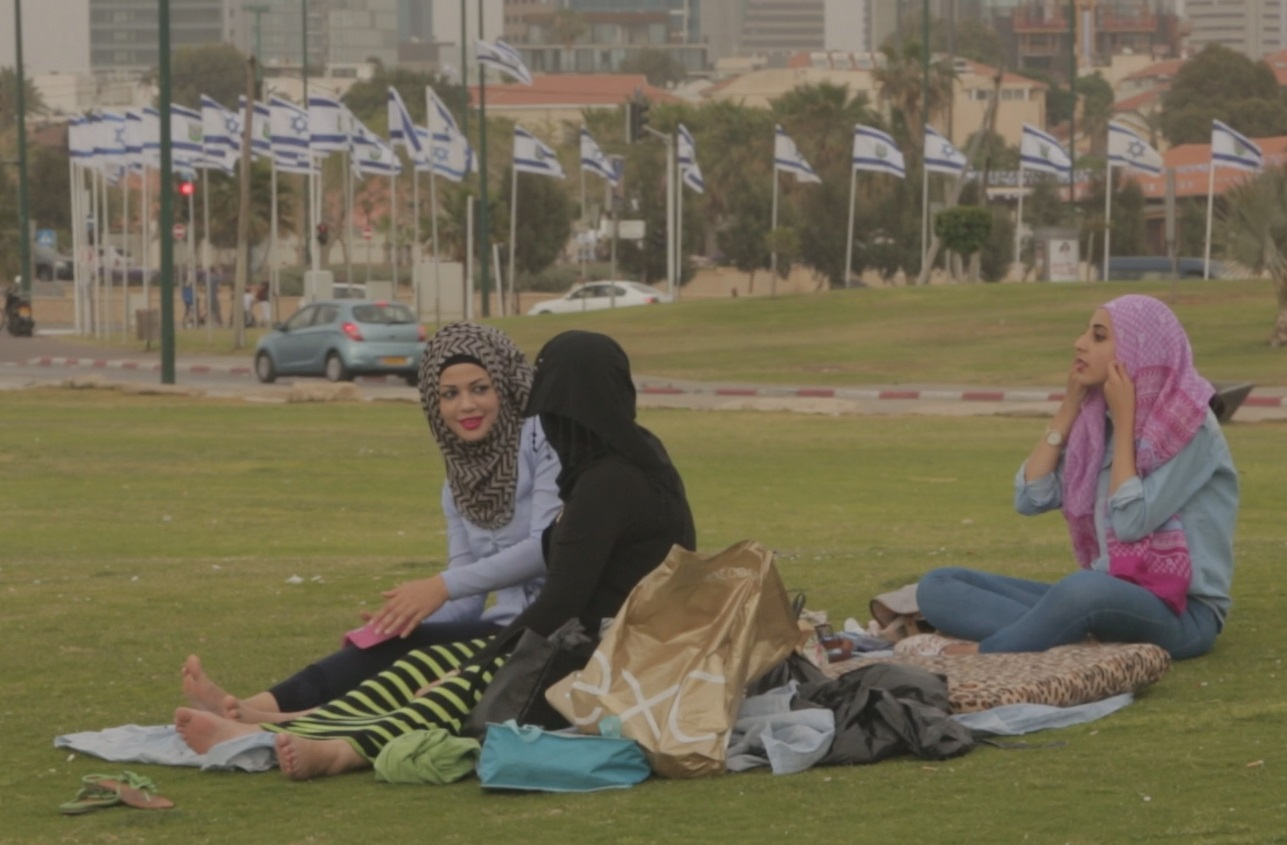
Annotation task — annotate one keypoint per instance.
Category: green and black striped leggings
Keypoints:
(386, 707)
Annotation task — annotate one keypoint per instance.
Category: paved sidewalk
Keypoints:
(56, 352)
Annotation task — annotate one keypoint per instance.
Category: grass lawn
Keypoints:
(1002, 335)
(138, 529)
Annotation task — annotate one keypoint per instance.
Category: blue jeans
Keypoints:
(1004, 614)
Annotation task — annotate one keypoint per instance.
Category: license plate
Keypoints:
(394, 360)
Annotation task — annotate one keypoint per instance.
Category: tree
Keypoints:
(964, 229)
(544, 221)
(1223, 84)
(968, 37)
(568, 27)
(900, 81)
(369, 98)
(1096, 110)
(216, 70)
(33, 102)
(1254, 225)
(660, 66)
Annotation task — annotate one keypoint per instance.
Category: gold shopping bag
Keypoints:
(675, 662)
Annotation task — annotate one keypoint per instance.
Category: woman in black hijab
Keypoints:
(624, 508)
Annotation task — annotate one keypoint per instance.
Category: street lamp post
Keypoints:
(24, 222)
(167, 193)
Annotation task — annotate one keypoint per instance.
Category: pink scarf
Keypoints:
(1170, 406)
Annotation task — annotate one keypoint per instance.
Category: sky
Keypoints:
(55, 35)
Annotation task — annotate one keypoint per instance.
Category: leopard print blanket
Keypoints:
(1063, 676)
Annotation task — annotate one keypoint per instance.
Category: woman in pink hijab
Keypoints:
(1135, 459)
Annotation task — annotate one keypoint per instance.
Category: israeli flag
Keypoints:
(1128, 149)
(151, 137)
(593, 159)
(327, 127)
(941, 156)
(531, 155)
(401, 130)
(187, 140)
(288, 130)
(221, 135)
(80, 141)
(1041, 152)
(109, 142)
(690, 173)
(448, 152)
(786, 156)
(134, 140)
(261, 136)
(876, 151)
(369, 154)
(503, 58)
(1230, 148)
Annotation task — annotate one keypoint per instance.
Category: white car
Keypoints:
(596, 296)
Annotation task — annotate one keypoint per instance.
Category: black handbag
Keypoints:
(517, 690)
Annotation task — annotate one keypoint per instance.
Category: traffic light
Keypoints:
(187, 188)
(636, 119)
(323, 233)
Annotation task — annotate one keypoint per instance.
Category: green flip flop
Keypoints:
(128, 788)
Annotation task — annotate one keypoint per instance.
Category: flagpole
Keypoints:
(924, 217)
(415, 229)
(1206, 253)
(272, 243)
(147, 236)
(773, 227)
(205, 236)
(849, 240)
(349, 243)
(100, 225)
(585, 223)
(75, 237)
(1018, 226)
(433, 233)
(393, 228)
(1108, 218)
(125, 283)
(679, 233)
(513, 233)
(670, 221)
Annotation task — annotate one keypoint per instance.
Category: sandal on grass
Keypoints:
(100, 791)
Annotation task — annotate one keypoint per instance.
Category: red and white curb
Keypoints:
(850, 393)
(893, 393)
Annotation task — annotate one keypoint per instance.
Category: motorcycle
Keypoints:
(17, 313)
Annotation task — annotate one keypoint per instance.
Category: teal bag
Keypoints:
(531, 758)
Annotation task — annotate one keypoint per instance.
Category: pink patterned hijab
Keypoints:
(1170, 406)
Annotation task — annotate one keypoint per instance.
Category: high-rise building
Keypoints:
(1254, 28)
(783, 27)
(123, 33)
(277, 31)
(362, 30)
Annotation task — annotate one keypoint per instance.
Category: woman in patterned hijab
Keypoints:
(1135, 459)
(500, 493)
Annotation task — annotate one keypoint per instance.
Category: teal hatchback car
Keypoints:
(340, 339)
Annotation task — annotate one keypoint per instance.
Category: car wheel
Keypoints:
(335, 369)
(264, 369)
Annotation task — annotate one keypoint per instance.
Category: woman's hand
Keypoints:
(406, 605)
(1074, 392)
(1119, 393)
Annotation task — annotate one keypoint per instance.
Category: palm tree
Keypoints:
(901, 82)
(1254, 224)
(32, 101)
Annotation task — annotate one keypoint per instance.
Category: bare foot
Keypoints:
(199, 690)
(248, 712)
(202, 730)
(305, 759)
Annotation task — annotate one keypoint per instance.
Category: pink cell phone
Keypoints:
(365, 637)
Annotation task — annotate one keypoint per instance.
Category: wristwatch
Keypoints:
(1054, 438)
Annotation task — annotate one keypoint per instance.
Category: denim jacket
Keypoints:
(506, 560)
(1199, 484)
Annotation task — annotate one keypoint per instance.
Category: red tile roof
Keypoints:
(1138, 101)
(1191, 163)
(574, 89)
(1159, 70)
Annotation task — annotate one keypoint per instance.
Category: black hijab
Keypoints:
(585, 397)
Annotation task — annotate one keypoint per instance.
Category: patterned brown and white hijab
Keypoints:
(483, 476)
